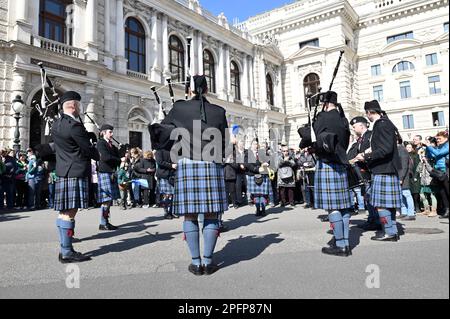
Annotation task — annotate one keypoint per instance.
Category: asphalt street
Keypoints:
(277, 256)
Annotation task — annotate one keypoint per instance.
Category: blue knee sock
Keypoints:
(210, 235)
(389, 224)
(191, 232)
(104, 216)
(337, 223)
(346, 221)
(66, 231)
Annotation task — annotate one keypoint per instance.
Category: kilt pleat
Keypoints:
(385, 191)
(199, 188)
(164, 187)
(108, 189)
(71, 193)
(331, 189)
(262, 190)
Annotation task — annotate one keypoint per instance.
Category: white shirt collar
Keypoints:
(75, 118)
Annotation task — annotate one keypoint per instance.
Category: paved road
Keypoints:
(277, 256)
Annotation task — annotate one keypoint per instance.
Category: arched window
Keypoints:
(403, 66)
(269, 88)
(235, 80)
(311, 85)
(37, 124)
(135, 45)
(176, 55)
(52, 20)
(209, 70)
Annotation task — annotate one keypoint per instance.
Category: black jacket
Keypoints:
(140, 171)
(384, 158)
(333, 123)
(109, 157)
(251, 164)
(164, 169)
(405, 173)
(74, 150)
(183, 115)
(360, 147)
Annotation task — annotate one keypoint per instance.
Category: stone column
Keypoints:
(91, 30)
(22, 26)
(244, 83)
(155, 48)
(221, 90)
(18, 88)
(252, 81)
(228, 73)
(121, 63)
(279, 91)
(200, 52)
(165, 44)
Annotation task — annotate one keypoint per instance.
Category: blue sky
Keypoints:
(241, 9)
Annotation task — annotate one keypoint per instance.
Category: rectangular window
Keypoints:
(405, 89)
(401, 36)
(376, 70)
(135, 139)
(378, 93)
(313, 43)
(438, 119)
(431, 59)
(408, 122)
(434, 83)
(446, 27)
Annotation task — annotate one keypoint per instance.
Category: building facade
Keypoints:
(113, 51)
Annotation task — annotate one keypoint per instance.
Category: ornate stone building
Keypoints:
(113, 51)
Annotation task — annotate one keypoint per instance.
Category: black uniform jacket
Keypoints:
(333, 123)
(360, 147)
(164, 169)
(384, 158)
(74, 150)
(109, 157)
(183, 115)
(252, 163)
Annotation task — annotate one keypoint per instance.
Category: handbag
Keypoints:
(286, 175)
(259, 179)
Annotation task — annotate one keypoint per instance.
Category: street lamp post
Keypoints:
(17, 107)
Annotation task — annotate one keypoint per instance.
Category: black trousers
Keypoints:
(230, 186)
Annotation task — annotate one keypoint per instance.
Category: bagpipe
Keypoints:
(306, 132)
(159, 132)
(46, 152)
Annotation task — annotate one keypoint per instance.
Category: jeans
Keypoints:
(7, 187)
(136, 193)
(360, 198)
(32, 185)
(51, 195)
(407, 203)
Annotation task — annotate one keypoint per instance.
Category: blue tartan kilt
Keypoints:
(164, 187)
(331, 189)
(385, 191)
(258, 190)
(108, 189)
(199, 188)
(71, 193)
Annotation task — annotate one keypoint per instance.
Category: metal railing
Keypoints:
(138, 75)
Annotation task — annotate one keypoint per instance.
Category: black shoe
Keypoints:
(336, 251)
(385, 237)
(223, 228)
(123, 208)
(325, 219)
(108, 226)
(196, 270)
(307, 206)
(168, 216)
(445, 216)
(74, 257)
(371, 227)
(210, 269)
